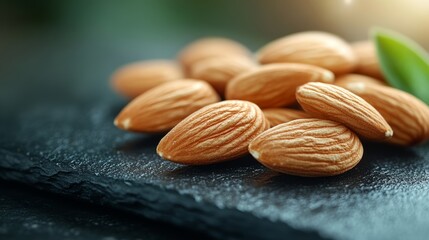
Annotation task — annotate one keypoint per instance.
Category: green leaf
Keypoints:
(404, 63)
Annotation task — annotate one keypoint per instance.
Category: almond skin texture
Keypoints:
(274, 85)
(209, 47)
(161, 108)
(308, 147)
(367, 60)
(335, 103)
(215, 133)
(315, 48)
(407, 115)
(344, 80)
(278, 116)
(136, 78)
(218, 71)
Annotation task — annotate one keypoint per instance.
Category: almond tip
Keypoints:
(125, 124)
(255, 154)
(388, 133)
(328, 77)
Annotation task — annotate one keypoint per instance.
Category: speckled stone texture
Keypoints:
(26, 213)
(74, 149)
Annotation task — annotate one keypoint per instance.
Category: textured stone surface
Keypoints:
(26, 213)
(75, 150)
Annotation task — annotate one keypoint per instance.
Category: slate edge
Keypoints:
(149, 200)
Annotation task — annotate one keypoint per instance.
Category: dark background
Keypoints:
(80, 43)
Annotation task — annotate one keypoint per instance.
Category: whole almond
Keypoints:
(207, 48)
(346, 79)
(274, 85)
(308, 147)
(335, 103)
(161, 108)
(367, 60)
(278, 116)
(218, 71)
(315, 48)
(407, 115)
(215, 133)
(136, 78)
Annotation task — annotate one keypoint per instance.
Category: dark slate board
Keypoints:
(27, 213)
(75, 150)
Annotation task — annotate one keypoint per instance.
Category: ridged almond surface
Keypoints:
(215, 133)
(218, 71)
(407, 115)
(161, 108)
(207, 48)
(346, 79)
(335, 103)
(308, 147)
(315, 48)
(136, 78)
(274, 85)
(278, 116)
(367, 60)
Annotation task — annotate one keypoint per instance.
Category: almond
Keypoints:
(315, 48)
(134, 79)
(407, 115)
(353, 78)
(209, 47)
(215, 133)
(367, 59)
(274, 85)
(161, 108)
(308, 147)
(219, 70)
(278, 116)
(335, 103)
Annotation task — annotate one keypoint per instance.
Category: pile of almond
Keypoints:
(318, 93)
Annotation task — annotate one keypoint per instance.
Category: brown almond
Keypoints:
(161, 108)
(136, 78)
(335, 103)
(308, 147)
(407, 115)
(367, 59)
(274, 85)
(346, 79)
(316, 48)
(218, 71)
(215, 133)
(207, 48)
(278, 116)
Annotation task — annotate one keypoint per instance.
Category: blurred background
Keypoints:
(56, 50)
